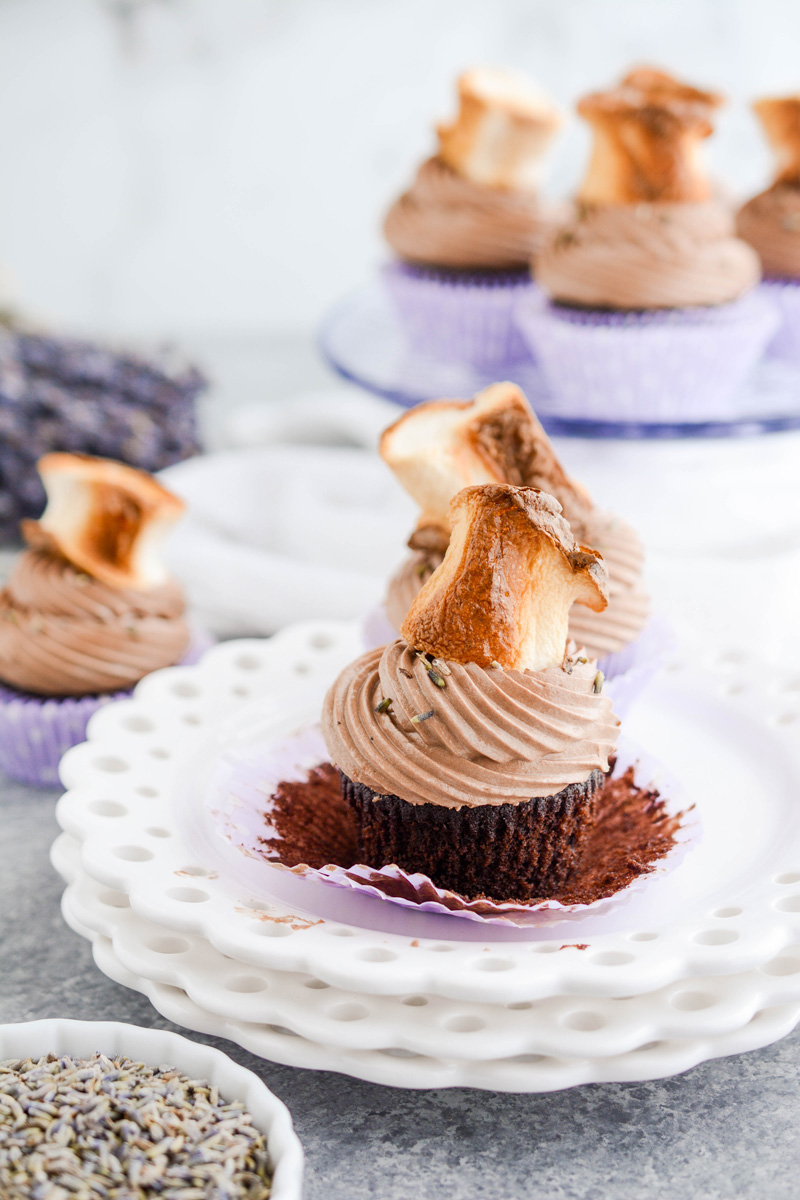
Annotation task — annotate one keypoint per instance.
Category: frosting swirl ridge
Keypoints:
(63, 633)
(639, 256)
(628, 608)
(446, 220)
(770, 222)
(494, 737)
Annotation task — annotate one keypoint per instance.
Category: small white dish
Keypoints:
(32, 1039)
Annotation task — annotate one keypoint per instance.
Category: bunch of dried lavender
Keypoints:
(114, 1129)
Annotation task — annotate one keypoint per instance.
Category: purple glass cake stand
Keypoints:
(362, 341)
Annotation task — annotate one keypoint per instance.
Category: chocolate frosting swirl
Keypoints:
(638, 256)
(770, 222)
(599, 633)
(445, 220)
(628, 608)
(495, 737)
(63, 633)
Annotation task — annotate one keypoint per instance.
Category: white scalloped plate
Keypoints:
(398, 1067)
(431, 1026)
(728, 734)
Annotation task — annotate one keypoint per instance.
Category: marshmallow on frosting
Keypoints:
(438, 448)
(512, 714)
(648, 233)
(770, 222)
(474, 205)
(89, 608)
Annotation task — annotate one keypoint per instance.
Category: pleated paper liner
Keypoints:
(281, 803)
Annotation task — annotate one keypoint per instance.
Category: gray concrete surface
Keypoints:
(726, 1129)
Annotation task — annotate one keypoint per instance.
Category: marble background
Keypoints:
(204, 167)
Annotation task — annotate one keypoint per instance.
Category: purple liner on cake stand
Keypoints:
(784, 294)
(238, 807)
(649, 366)
(453, 316)
(37, 731)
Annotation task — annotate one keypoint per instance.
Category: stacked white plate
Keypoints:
(701, 962)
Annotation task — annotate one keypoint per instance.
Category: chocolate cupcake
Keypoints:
(467, 228)
(89, 609)
(440, 447)
(472, 749)
(770, 222)
(653, 314)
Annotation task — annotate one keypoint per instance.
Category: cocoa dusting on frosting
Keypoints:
(310, 824)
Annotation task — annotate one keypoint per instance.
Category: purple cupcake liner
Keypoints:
(36, 732)
(784, 294)
(628, 671)
(458, 317)
(655, 366)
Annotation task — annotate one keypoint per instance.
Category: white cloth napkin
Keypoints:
(284, 533)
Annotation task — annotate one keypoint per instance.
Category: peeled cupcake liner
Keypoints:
(461, 317)
(784, 294)
(647, 366)
(241, 807)
(627, 671)
(36, 731)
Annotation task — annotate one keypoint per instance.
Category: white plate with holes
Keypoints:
(731, 906)
(427, 1025)
(392, 1062)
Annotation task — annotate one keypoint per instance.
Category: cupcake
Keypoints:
(649, 311)
(88, 610)
(440, 447)
(468, 226)
(472, 749)
(770, 222)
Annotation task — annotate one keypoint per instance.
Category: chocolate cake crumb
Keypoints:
(314, 826)
(312, 822)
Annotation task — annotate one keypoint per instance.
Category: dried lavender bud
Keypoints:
(110, 1127)
(64, 394)
(599, 680)
(384, 705)
(436, 678)
(426, 716)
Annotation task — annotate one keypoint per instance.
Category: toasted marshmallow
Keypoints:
(648, 132)
(510, 576)
(108, 519)
(438, 448)
(504, 126)
(780, 118)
